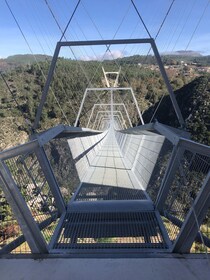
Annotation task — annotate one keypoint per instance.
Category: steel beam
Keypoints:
(107, 104)
(19, 150)
(99, 122)
(105, 42)
(107, 118)
(107, 81)
(119, 123)
(114, 114)
(129, 120)
(195, 147)
(47, 86)
(111, 89)
(194, 219)
(21, 239)
(91, 115)
(49, 134)
(168, 85)
(115, 73)
(167, 132)
(179, 224)
(94, 124)
(80, 109)
(21, 211)
(168, 178)
(112, 108)
(137, 129)
(137, 107)
(49, 175)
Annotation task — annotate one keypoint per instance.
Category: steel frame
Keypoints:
(169, 176)
(115, 73)
(194, 219)
(108, 112)
(108, 104)
(103, 118)
(111, 90)
(31, 230)
(20, 209)
(150, 41)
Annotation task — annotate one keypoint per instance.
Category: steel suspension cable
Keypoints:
(46, 35)
(194, 31)
(197, 25)
(121, 23)
(16, 102)
(20, 29)
(158, 32)
(176, 25)
(187, 18)
(63, 33)
(46, 57)
(107, 46)
(167, 13)
(137, 11)
(64, 36)
(83, 70)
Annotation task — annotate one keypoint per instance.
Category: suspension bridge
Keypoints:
(141, 204)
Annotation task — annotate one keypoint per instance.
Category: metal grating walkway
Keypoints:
(110, 211)
(95, 192)
(121, 230)
(109, 166)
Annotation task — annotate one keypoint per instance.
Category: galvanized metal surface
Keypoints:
(85, 231)
(111, 209)
(95, 192)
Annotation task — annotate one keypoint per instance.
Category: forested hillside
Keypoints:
(194, 102)
(20, 97)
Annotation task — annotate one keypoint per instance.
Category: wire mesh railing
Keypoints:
(29, 177)
(35, 186)
(185, 170)
(159, 170)
(10, 231)
(147, 155)
(187, 182)
(63, 166)
(179, 198)
(25, 187)
(203, 244)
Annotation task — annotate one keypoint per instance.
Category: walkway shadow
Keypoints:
(63, 165)
(94, 192)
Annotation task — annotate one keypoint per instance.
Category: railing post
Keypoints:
(194, 219)
(21, 211)
(168, 178)
(49, 175)
(47, 86)
(168, 85)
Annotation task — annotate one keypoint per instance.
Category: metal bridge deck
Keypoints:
(110, 168)
(84, 231)
(110, 211)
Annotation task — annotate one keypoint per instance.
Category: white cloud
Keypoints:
(107, 56)
(201, 43)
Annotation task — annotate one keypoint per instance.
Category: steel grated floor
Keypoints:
(85, 231)
(93, 192)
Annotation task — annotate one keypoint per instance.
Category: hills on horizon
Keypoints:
(189, 56)
(16, 60)
(184, 53)
(26, 85)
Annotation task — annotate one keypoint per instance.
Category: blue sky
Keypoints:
(105, 19)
